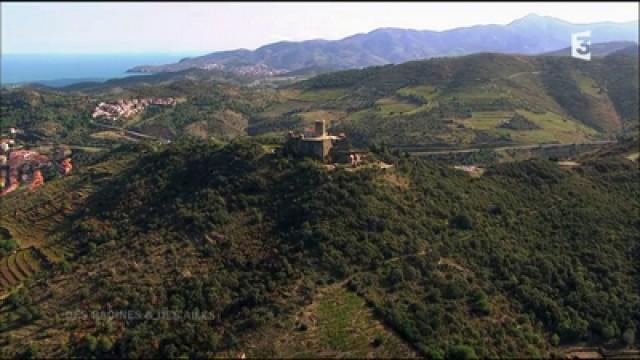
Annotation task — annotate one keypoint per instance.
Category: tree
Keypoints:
(377, 341)
(93, 248)
(481, 304)
(462, 222)
(431, 352)
(460, 352)
(608, 331)
(17, 299)
(104, 344)
(629, 336)
(410, 273)
(214, 341)
(65, 266)
(32, 351)
(396, 276)
(91, 342)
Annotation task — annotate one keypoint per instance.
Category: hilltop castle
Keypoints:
(322, 146)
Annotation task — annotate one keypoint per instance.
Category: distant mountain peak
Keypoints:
(535, 19)
(533, 16)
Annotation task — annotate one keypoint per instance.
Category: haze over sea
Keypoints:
(64, 69)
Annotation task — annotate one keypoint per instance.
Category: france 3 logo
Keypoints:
(581, 45)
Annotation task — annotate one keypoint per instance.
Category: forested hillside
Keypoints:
(205, 108)
(518, 262)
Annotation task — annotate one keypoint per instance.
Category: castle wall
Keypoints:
(324, 147)
(316, 148)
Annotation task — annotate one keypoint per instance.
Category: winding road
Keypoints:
(506, 148)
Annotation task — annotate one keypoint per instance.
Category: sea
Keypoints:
(64, 69)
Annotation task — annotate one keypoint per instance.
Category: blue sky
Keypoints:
(205, 27)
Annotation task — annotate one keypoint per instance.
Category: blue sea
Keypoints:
(65, 69)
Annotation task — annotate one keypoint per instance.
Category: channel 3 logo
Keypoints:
(581, 45)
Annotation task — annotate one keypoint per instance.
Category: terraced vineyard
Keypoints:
(30, 222)
(18, 267)
(32, 219)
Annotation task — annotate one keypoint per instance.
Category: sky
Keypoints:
(200, 27)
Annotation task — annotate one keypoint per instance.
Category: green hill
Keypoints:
(527, 257)
(464, 100)
(205, 109)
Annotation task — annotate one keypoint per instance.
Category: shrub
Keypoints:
(460, 352)
(91, 343)
(377, 341)
(462, 222)
(65, 266)
(481, 304)
(7, 245)
(104, 344)
(629, 336)
(32, 351)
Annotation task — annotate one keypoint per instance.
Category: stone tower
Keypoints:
(320, 129)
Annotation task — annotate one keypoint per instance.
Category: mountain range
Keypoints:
(532, 34)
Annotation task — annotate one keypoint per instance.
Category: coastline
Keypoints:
(58, 70)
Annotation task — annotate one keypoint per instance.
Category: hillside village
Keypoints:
(24, 166)
(126, 108)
